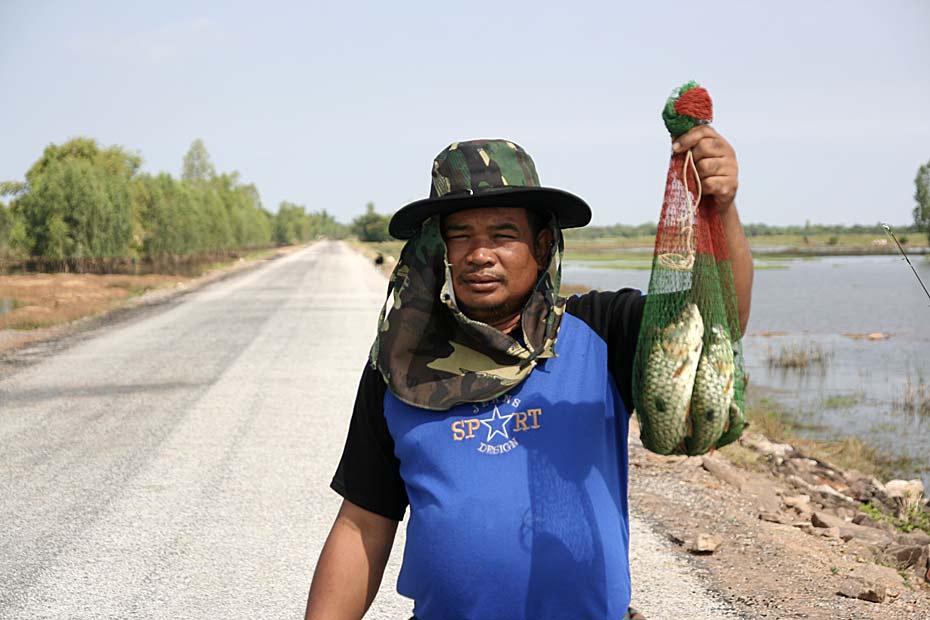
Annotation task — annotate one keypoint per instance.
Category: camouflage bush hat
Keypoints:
(487, 173)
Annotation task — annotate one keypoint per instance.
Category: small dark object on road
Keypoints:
(379, 259)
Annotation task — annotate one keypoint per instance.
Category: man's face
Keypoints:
(495, 260)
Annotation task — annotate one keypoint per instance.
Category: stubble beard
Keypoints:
(494, 315)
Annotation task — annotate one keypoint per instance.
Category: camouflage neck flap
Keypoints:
(432, 356)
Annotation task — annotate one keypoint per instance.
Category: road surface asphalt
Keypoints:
(177, 464)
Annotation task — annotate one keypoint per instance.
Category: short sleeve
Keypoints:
(616, 317)
(369, 473)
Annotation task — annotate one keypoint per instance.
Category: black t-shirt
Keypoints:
(369, 474)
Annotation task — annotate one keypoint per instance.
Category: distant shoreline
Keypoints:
(832, 251)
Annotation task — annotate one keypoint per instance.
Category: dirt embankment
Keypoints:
(45, 299)
(782, 535)
(37, 307)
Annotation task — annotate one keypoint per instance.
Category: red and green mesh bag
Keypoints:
(688, 376)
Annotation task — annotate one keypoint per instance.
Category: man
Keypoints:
(495, 409)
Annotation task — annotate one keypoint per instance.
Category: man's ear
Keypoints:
(543, 247)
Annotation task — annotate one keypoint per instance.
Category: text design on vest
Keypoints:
(496, 424)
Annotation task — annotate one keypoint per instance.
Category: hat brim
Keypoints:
(570, 210)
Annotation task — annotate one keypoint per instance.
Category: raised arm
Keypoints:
(351, 564)
(716, 164)
(741, 261)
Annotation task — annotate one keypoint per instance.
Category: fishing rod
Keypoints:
(904, 254)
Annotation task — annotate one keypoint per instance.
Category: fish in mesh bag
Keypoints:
(688, 375)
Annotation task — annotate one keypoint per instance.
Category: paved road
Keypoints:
(177, 465)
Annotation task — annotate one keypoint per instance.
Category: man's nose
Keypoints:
(480, 255)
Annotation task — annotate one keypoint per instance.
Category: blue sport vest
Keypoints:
(518, 507)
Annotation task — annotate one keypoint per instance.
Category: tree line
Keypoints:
(921, 222)
(751, 230)
(85, 207)
(763, 230)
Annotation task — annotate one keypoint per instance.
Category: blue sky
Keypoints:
(332, 105)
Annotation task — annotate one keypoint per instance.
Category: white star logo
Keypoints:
(497, 424)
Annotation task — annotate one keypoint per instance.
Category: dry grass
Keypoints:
(371, 248)
(37, 300)
(42, 299)
(841, 401)
(766, 417)
(743, 457)
(567, 290)
(850, 453)
(864, 242)
(915, 398)
(603, 248)
(799, 356)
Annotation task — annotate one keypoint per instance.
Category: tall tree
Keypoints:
(290, 224)
(922, 198)
(75, 209)
(197, 165)
(371, 226)
(114, 160)
(6, 227)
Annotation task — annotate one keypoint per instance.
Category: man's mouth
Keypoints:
(481, 283)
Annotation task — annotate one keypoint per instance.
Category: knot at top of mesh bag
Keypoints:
(687, 107)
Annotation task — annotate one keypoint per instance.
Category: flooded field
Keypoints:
(873, 389)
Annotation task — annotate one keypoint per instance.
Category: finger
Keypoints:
(716, 166)
(723, 188)
(709, 167)
(712, 147)
(691, 137)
